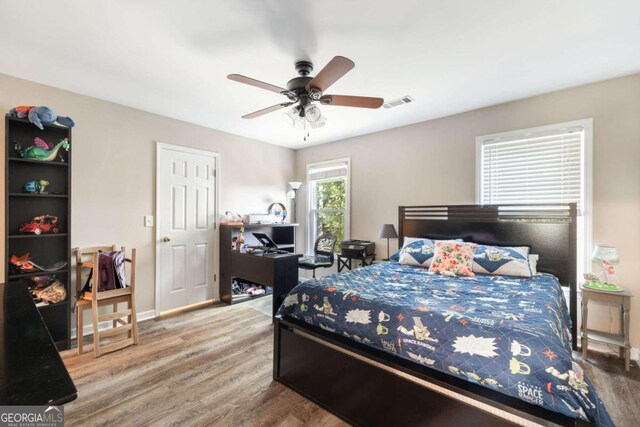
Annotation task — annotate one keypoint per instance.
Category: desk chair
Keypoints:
(124, 322)
(323, 254)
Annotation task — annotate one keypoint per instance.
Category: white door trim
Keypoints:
(216, 268)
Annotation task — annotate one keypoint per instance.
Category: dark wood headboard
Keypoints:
(550, 231)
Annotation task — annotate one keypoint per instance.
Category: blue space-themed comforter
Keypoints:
(508, 334)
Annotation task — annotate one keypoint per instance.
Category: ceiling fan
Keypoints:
(304, 91)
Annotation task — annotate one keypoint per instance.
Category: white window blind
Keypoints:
(321, 172)
(549, 164)
(544, 167)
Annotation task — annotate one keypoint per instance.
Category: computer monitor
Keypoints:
(265, 240)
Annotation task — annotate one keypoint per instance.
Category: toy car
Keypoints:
(41, 224)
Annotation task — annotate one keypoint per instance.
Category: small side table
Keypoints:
(622, 299)
(345, 261)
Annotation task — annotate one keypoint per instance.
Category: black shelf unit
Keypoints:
(283, 235)
(37, 195)
(33, 273)
(21, 207)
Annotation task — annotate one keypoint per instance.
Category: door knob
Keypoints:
(166, 239)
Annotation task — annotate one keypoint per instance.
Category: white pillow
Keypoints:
(408, 240)
(533, 263)
(502, 260)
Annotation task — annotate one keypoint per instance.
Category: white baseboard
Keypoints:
(88, 329)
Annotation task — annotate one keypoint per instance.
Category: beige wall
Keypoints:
(433, 162)
(115, 144)
(427, 163)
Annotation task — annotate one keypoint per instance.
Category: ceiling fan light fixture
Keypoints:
(320, 123)
(312, 113)
(291, 117)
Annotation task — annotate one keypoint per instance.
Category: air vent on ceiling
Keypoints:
(396, 102)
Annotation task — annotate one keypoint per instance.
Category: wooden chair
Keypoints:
(87, 258)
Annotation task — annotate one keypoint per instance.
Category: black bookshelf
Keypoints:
(256, 268)
(20, 208)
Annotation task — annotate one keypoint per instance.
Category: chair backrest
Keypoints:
(132, 271)
(325, 246)
(87, 254)
(131, 282)
(91, 254)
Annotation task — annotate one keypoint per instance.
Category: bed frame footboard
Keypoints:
(367, 387)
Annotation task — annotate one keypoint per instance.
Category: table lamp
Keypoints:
(388, 231)
(608, 255)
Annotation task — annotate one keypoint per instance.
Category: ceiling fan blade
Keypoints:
(266, 110)
(257, 83)
(351, 101)
(331, 73)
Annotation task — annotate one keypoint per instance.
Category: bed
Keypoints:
(394, 344)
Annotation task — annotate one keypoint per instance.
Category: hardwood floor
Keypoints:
(213, 367)
(207, 367)
(618, 389)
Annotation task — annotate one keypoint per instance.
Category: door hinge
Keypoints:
(213, 172)
(215, 277)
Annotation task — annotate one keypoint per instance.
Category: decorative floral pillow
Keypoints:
(502, 260)
(453, 259)
(417, 252)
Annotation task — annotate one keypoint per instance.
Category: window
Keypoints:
(550, 164)
(328, 200)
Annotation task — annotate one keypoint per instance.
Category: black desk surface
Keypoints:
(31, 370)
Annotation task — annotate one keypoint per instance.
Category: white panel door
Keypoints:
(186, 221)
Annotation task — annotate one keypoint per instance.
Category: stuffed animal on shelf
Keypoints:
(39, 116)
(41, 150)
(34, 187)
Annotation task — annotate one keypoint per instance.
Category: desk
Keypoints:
(345, 261)
(31, 370)
(279, 271)
(622, 300)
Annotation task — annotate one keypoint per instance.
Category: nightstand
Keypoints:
(345, 261)
(622, 299)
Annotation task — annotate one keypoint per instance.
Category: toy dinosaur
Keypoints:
(40, 151)
(39, 115)
(43, 185)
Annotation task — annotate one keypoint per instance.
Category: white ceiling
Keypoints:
(171, 57)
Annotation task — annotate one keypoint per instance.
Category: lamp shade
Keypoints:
(295, 184)
(388, 231)
(605, 253)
